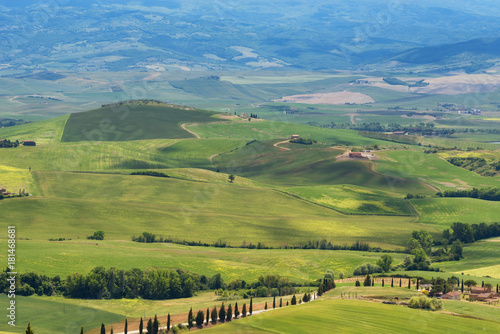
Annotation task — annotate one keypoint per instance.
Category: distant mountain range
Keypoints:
(234, 35)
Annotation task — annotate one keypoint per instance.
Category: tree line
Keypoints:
(469, 233)
(488, 194)
(6, 143)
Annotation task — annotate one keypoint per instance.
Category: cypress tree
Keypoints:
(274, 302)
(81, 330)
(497, 287)
(462, 286)
(281, 301)
(419, 282)
(103, 329)
(208, 316)
(400, 282)
(150, 326)
(373, 282)
(111, 331)
(383, 282)
(29, 330)
(213, 315)
(190, 318)
(222, 313)
(244, 310)
(250, 310)
(229, 313)
(294, 300)
(141, 326)
(392, 282)
(482, 284)
(287, 303)
(156, 325)
(409, 283)
(199, 318)
(236, 311)
(125, 330)
(168, 322)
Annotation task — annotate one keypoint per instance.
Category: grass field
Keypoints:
(353, 316)
(354, 199)
(171, 207)
(132, 122)
(80, 255)
(42, 132)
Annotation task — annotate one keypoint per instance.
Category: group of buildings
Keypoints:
(482, 294)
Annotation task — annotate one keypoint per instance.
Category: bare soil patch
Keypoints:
(336, 98)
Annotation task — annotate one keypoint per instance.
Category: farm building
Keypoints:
(4, 192)
(356, 155)
(295, 136)
(29, 143)
(244, 115)
(399, 133)
(452, 295)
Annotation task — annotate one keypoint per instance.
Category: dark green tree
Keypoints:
(199, 318)
(149, 326)
(409, 283)
(400, 283)
(265, 306)
(125, 330)
(368, 280)
(385, 262)
(81, 330)
(392, 282)
(208, 316)
(462, 286)
(418, 283)
(229, 313)
(190, 318)
(244, 310)
(156, 325)
(281, 302)
(236, 310)
(141, 326)
(222, 313)
(111, 332)
(231, 178)
(168, 322)
(103, 329)
(383, 282)
(250, 310)
(213, 315)
(30, 331)
(274, 302)
(294, 300)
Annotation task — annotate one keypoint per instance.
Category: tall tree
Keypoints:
(236, 310)
(251, 306)
(265, 306)
(281, 302)
(81, 330)
(383, 282)
(392, 282)
(208, 315)
(150, 326)
(274, 302)
(409, 283)
(229, 313)
(244, 310)
(213, 315)
(29, 330)
(294, 300)
(168, 322)
(400, 282)
(112, 332)
(190, 318)
(199, 318)
(141, 326)
(368, 280)
(125, 330)
(222, 313)
(156, 325)
(385, 262)
(103, 329)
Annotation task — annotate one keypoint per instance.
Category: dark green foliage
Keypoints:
(274, 302)
(395, 81)
(229, 313)
(208, 316)
(150, 173)
(81, 331)
(222, 313)
(367, 281)
(306, 298)
(125, 330)
(236, 310)
(244, 309)
(190, 318)
(156, 325)
(213, 315)
(392, 282)
(141, 326)
(383, 282)
(103, 329)
(418, 281)
(281, 302)
(409, 284)
(304, 141)
(476, 165)
(385, 262)
(132, 121)
(294, 300)
(470, 282)
(111, 332)
(149, 326)
(5, 143)
(98, 235)
(168, 322)
(251, 306)
(468, 233)
(265, 306)
(199, 318)
(357, 283)
(488, 194)
(400, 282)
(30, 331)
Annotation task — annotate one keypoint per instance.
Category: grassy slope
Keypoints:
(55, 317)
(171, 207)
(132, 122)
(43, 132)
(352, 316)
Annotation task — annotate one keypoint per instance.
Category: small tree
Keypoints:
(156, 325)
(208, 316)
(141, 326)
(111, 332)
(385, 262)
(287, 303)
(81, 331)
(250, 310)
(125, 330)
(274, 302)
(357, 283)
(229, 313)
(244, 310)
(213, 315)
(418, 283)
(30, 331)
(281, 300)
(231, 178)
(392, 282)
(149, 326)
(383, 282)
(236, 310)
(368, 280)
(470, 282)
(409, 283)
(103, 329)
(190, 318)
(400, 282)
(222, 313)
(168, 322)
(294, 300)
(199, 318)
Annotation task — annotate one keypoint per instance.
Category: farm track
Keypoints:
(183, 126)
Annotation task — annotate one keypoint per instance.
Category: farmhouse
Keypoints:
(4, 192)
(244, 115)
(29, 143)
(452, 295)
(295, 136)
(399, 133)
(356, 155)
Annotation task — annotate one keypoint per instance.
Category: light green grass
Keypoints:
(15, 179)
(354, 199)
(80, 255)
(42, 132)
(473, 310)
(55, 316)
(352, 316)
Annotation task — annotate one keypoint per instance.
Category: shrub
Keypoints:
(425, 303)
(367, 268)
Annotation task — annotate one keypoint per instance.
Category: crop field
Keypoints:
(171, 207)
(441, 212)
(354, 199)
(353, 316)
(429, 168)
(42, 132)
(14, 179)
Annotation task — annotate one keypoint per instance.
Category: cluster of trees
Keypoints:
(425, 303)
(6, 122)
(305, 141)
(468, 233)
(98, 235)
(489, 194)
(326, 284)
(6, 143)
(477, 165)
(150, 173)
